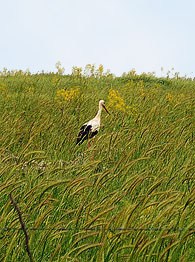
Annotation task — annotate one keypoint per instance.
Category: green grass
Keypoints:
(129, 197)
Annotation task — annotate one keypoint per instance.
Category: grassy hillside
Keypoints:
(129, 197)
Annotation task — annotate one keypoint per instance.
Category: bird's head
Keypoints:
(102, 104)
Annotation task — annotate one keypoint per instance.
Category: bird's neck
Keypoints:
(99, 112)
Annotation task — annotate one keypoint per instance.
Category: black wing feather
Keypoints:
(92, 134)
(84, 134)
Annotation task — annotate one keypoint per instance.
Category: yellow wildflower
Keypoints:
(169, 97)
(63, 95)
(115, 101)
(110, 235)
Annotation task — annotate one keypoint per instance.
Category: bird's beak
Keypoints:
(105, 109)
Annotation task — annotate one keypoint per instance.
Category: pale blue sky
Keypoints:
(120, 34)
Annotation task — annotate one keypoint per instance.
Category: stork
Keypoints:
(92, 127)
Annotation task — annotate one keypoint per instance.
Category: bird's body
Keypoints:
(92, 127)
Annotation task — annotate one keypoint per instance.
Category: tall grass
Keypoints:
(129, 197)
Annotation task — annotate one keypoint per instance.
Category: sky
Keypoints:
(145, 35)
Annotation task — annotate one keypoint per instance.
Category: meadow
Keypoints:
(128, 197)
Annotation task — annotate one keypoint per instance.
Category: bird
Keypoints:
(92, 127)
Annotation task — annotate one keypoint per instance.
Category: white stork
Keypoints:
(91, 128)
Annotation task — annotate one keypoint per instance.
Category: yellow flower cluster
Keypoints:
(175, 98)
(169, 97)
(115, 101)
(63, 95)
